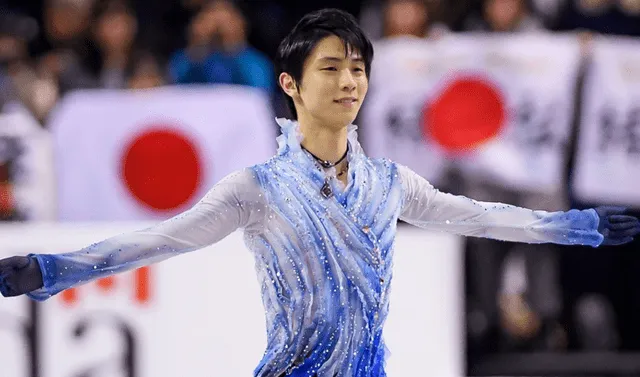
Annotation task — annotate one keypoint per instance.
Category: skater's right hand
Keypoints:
(19, 275)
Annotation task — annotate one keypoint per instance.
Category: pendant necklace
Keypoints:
(326, 190)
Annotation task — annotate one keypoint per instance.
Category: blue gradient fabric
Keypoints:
(324, 264)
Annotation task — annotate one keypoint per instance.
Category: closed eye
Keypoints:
(330, 69)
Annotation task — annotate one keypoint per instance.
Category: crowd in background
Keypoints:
(520, 297)
(49, 47)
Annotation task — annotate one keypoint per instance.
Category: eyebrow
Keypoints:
(336, 59)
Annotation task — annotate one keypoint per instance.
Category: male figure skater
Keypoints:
(319, 217)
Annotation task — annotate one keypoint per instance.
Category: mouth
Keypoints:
(350, 101)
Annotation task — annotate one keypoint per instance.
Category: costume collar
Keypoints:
(291, 138)
(289, 147)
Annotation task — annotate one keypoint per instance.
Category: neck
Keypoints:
(324, 142)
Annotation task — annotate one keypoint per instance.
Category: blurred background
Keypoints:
(119, 111)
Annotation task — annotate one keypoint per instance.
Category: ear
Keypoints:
(288, 84)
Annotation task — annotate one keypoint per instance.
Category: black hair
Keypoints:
(308, 32)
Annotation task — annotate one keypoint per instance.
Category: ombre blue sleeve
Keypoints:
(427, 207)
(234, 202)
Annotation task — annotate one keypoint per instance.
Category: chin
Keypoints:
(343, 119)
(339, 123)
(336, 120)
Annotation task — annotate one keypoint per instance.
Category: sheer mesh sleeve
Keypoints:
(427, 207)
(234, 202)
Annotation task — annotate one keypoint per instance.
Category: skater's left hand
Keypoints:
(616, 227)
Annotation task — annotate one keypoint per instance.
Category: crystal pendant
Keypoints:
(326, 190)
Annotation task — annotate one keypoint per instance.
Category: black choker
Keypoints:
(327, 164)
(326, 190)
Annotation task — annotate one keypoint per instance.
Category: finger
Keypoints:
(14, 262)
(623, 225)
(7, 265)
(627, 231)
(5, 288)
(624, 233)
(7, 262)
(621, 218)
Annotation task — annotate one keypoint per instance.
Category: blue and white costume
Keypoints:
(324, 264)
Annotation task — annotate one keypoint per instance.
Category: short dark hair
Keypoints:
(308, 32)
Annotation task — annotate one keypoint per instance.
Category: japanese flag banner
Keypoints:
(500, 107)
(607, 168)
(148, 155)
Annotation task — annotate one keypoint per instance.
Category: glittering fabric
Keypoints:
(324, 264)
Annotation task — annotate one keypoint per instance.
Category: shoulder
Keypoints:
(383, 164)
(262, 171)
(386, 170)
(265, 165)
(241, 176)
(241, 184)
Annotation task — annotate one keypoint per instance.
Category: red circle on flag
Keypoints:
(468, 112)
(161, 168)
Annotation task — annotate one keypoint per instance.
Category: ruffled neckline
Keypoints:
(291, 137)
(289, 146)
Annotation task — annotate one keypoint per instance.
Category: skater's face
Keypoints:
(333, 85)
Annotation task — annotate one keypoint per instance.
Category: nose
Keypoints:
(347, 82)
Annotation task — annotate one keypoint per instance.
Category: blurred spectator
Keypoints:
(611, 17)
(411, 17)
(162, 24)
(65, 65)
(601, 297)
(514, 289)
(144, 72)
(15, 32)
(19, 82)
(530, 300)
(218, 52)
(392, 18)
(621, 17)
(504, 16)
(595, 324)
(115, 31)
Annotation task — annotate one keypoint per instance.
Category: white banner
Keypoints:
(27, 188)
(401, 80)
(201, 314)
(512, 95)
(607, 166)
(141, 155)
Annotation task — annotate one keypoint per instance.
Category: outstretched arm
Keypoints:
(235, 202)
(428, 208)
